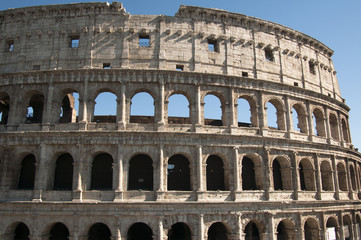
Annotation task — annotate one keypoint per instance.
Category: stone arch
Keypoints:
(332, 227)
(102, 172)
(140, 174)
(311, 229)
(59, 232)
(282, 178)
(105, 103)
(63, 177)
(319, 122)
(280, 112)
(342, 176)
(214, 121)
(179, 230)
(353, 178)
(35, 107)
(334, 126)
(307, 175)
(215, 173)
(345, 130)
(301, 117)
(99, 231)
(20, 230)
(348, 227)
(285, 230)
(218, 231)
(27, 173)
(4, 108)
(253, 113)
(179, 173)
(183, 98)
(326, 176)
(68, 99)
(139, 230)
(248, 174)
(137, 116)
(252, 230)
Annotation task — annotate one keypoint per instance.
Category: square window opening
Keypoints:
(213, 45)
(295, 84)
(106, 65)
(179, 67)
(312, 68)
(244, 74)
(144, 41)
(10, 46)
(74, 42)
(269, 55)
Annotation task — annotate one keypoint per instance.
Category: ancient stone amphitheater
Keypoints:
(69, 173)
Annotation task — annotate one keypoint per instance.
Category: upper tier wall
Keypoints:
(39, 38)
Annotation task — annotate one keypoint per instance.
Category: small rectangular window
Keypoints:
(269, 55)
(179, 67)
(106, 65)
(144, 41)
(10, 46)
(74, 42)
(295, 84)
(312, 68)
(212, 45)
(244, 74)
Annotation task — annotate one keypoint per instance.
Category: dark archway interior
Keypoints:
(281, 232)
(59, 232)
(302, 177)
(63, 179)
(37, 103)
(27, 173)
(102, 172)
(178, 173)
(215, 173)
(140, 173)
(217, 232)
(248, 175)
(140, 231)
(179, 231)
(21, 232)
(251, 231)
(277, 175)
(99, 231)
(4, 109)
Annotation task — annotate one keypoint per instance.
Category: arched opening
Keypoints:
(311, 230)
(35, 109)
(4, 108)
(142, 108)
(341, 174)
(140, 173)
(318, 123)
(178, 109)
(299, 118)
(27, 173)
(215, 173)
(358, 225)
(307, 175)
(140, 231)
(59, 232)
(251, 231)
(347, 227)
(178, 173)
(248, 175)
(275, 115)
(246, 112)
(69, 108)
(102, 172)
(105, 108)
(63, 179)
(334, 126)
(277, 176)
(281, 174)
(179, 231)
(326, 176)
(285, 230)
(99, 231)
(217, 231)
(345, 131)
(21, 232)
(212, 110)
(353, 178)
(331, 228)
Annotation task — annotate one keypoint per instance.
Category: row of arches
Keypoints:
(141, 174)
(180, 108)
(285, 229)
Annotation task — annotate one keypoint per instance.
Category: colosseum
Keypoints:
(69, 173)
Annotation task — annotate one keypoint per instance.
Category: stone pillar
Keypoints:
(295, 175)
(348, 176)
(160, 110)
(5, 169)
(160, 229)
(237, 187)
(311, 132)
(340, 220)
(267, 173)
(288, 126)
(77, 181)
(335, 177)
(200, 227)
(271, 227)
(322, 226)
(161, 169)
(354, 226)
(41, 170)
(239, 225)
(232, 115)
(198, 107)
(262, 113)
(328, 127)
(199, 169)
(318, 176)
(83, 103)
(121, 110)
(47, 111)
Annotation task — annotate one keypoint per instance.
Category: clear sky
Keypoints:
(335, 23)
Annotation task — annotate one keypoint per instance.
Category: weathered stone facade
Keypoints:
(160, 177)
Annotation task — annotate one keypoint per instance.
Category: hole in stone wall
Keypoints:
(144, 40)
(27, 173)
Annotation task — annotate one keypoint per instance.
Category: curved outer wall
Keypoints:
(53, 51)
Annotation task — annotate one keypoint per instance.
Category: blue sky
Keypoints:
(335, 23)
